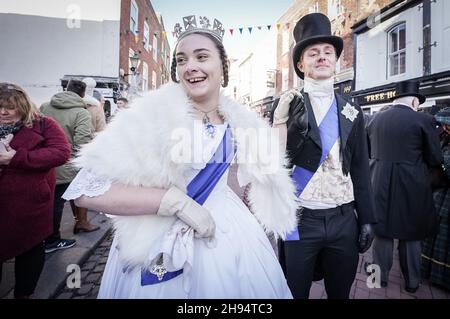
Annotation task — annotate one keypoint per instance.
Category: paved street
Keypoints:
(55, 269)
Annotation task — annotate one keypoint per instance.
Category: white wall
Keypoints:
(253, 71)
(371, 59)
(38, 50)
(440, 32)
(93, 10)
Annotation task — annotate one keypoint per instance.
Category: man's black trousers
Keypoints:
(330, 238)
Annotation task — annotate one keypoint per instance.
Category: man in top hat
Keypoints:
(404, 144)
(327, 144)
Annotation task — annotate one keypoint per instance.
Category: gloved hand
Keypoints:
(176, 202)
(281, 114)
(365, 237)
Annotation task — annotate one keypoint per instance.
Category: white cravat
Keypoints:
(320, 94)
(319, 87)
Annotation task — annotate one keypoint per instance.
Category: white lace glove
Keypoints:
(281, 114)
(175, 202)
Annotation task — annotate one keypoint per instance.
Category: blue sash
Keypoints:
(329, 133)
(199, 190)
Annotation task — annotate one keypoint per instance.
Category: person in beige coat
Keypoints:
(94, 106)
(97, 115)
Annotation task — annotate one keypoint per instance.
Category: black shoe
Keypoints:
(384, 284)
(411, 290)
(59, 244)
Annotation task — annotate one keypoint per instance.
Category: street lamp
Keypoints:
(134, 60)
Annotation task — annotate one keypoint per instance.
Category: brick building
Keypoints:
(142, 31)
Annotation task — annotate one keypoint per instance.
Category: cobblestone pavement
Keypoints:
(92, 270)
(91, 273)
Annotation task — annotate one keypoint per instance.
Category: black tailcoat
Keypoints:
(403, 145)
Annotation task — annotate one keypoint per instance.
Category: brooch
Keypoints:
(350, 112)
(158, 269)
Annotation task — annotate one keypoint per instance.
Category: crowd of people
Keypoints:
(321, 180)
(36, 149)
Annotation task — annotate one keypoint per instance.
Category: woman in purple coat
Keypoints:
(31, 146)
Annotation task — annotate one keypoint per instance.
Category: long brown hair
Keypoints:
(13, 96)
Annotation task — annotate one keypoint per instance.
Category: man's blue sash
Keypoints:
(199, 190)
(329, 133)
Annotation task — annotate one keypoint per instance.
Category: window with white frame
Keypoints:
(314, 8)
(298, 83)
(338, 68)
(168, 61)
(285, 48)
(153, 80)
(130, 54)
(284, 79)
(334, 9)
(155, 48)
(134, 17)
(397, 50)
(146, 36)
(144, 77)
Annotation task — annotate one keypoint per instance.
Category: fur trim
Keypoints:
(137, 149)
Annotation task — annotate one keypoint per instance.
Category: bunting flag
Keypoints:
(279, 26)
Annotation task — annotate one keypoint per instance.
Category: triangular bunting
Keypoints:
(259, 27)
(250, 29)
(231, 31)
(278, 26)
(241, 29)
(268, 27)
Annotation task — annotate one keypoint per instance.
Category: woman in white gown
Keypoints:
(181, 231)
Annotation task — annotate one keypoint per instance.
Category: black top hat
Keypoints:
(408, 88)
(313, 28)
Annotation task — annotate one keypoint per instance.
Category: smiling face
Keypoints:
(318, 61)
(199, 68)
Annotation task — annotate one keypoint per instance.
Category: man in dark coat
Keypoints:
(403, 145)
(327, 144)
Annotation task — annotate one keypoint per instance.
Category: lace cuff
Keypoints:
(88, 184)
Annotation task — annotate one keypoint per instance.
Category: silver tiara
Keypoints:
(190, 26)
